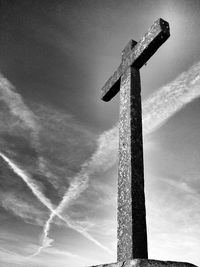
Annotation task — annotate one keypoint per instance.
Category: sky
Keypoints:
(59, 140)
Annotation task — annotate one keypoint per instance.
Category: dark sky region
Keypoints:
(59, 141)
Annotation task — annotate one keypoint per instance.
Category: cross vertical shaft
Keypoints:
(132, 235)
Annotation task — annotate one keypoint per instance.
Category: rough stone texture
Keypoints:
(128, 49)
(132, 236)
(147, 263)
(138, 56)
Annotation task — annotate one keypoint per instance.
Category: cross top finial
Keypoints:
(136, 55)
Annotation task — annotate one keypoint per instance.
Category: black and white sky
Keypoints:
(59, 141)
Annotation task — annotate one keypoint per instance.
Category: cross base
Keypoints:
(147, 263)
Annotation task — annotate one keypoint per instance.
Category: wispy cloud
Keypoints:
(19, 109)
(10, 257)
(27, 211)
(56, 252)
(65, 144)
(173, 216)
(50, 258)
(26, 120)
(180, 185)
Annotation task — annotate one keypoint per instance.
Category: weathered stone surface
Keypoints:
(128, 49)
(138, 56)
(132, 236)
(147, 263)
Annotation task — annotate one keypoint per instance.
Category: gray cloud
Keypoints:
(22, 208)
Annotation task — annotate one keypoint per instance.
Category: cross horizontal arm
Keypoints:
(140, 54)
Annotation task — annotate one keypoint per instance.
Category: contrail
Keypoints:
(28, 119)
(30, 182)
(103, 158)
(19, 109)
(31, 185)
(157, 109)
(46, 202)
(164, 103)
(46, 241)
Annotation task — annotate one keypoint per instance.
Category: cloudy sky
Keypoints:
(59, 141)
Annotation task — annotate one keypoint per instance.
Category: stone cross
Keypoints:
(132, 234)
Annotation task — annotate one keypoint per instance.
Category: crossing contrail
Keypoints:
(19, 109)
(102, 159)
(157, 109)
(46, 202)
(46, 241)
(29, 182)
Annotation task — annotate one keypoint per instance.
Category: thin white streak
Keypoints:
(102, 158)
(18, 108)
(27, 119)
(164, 103)
(46, 241)
(29, 181)
(46, 202)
